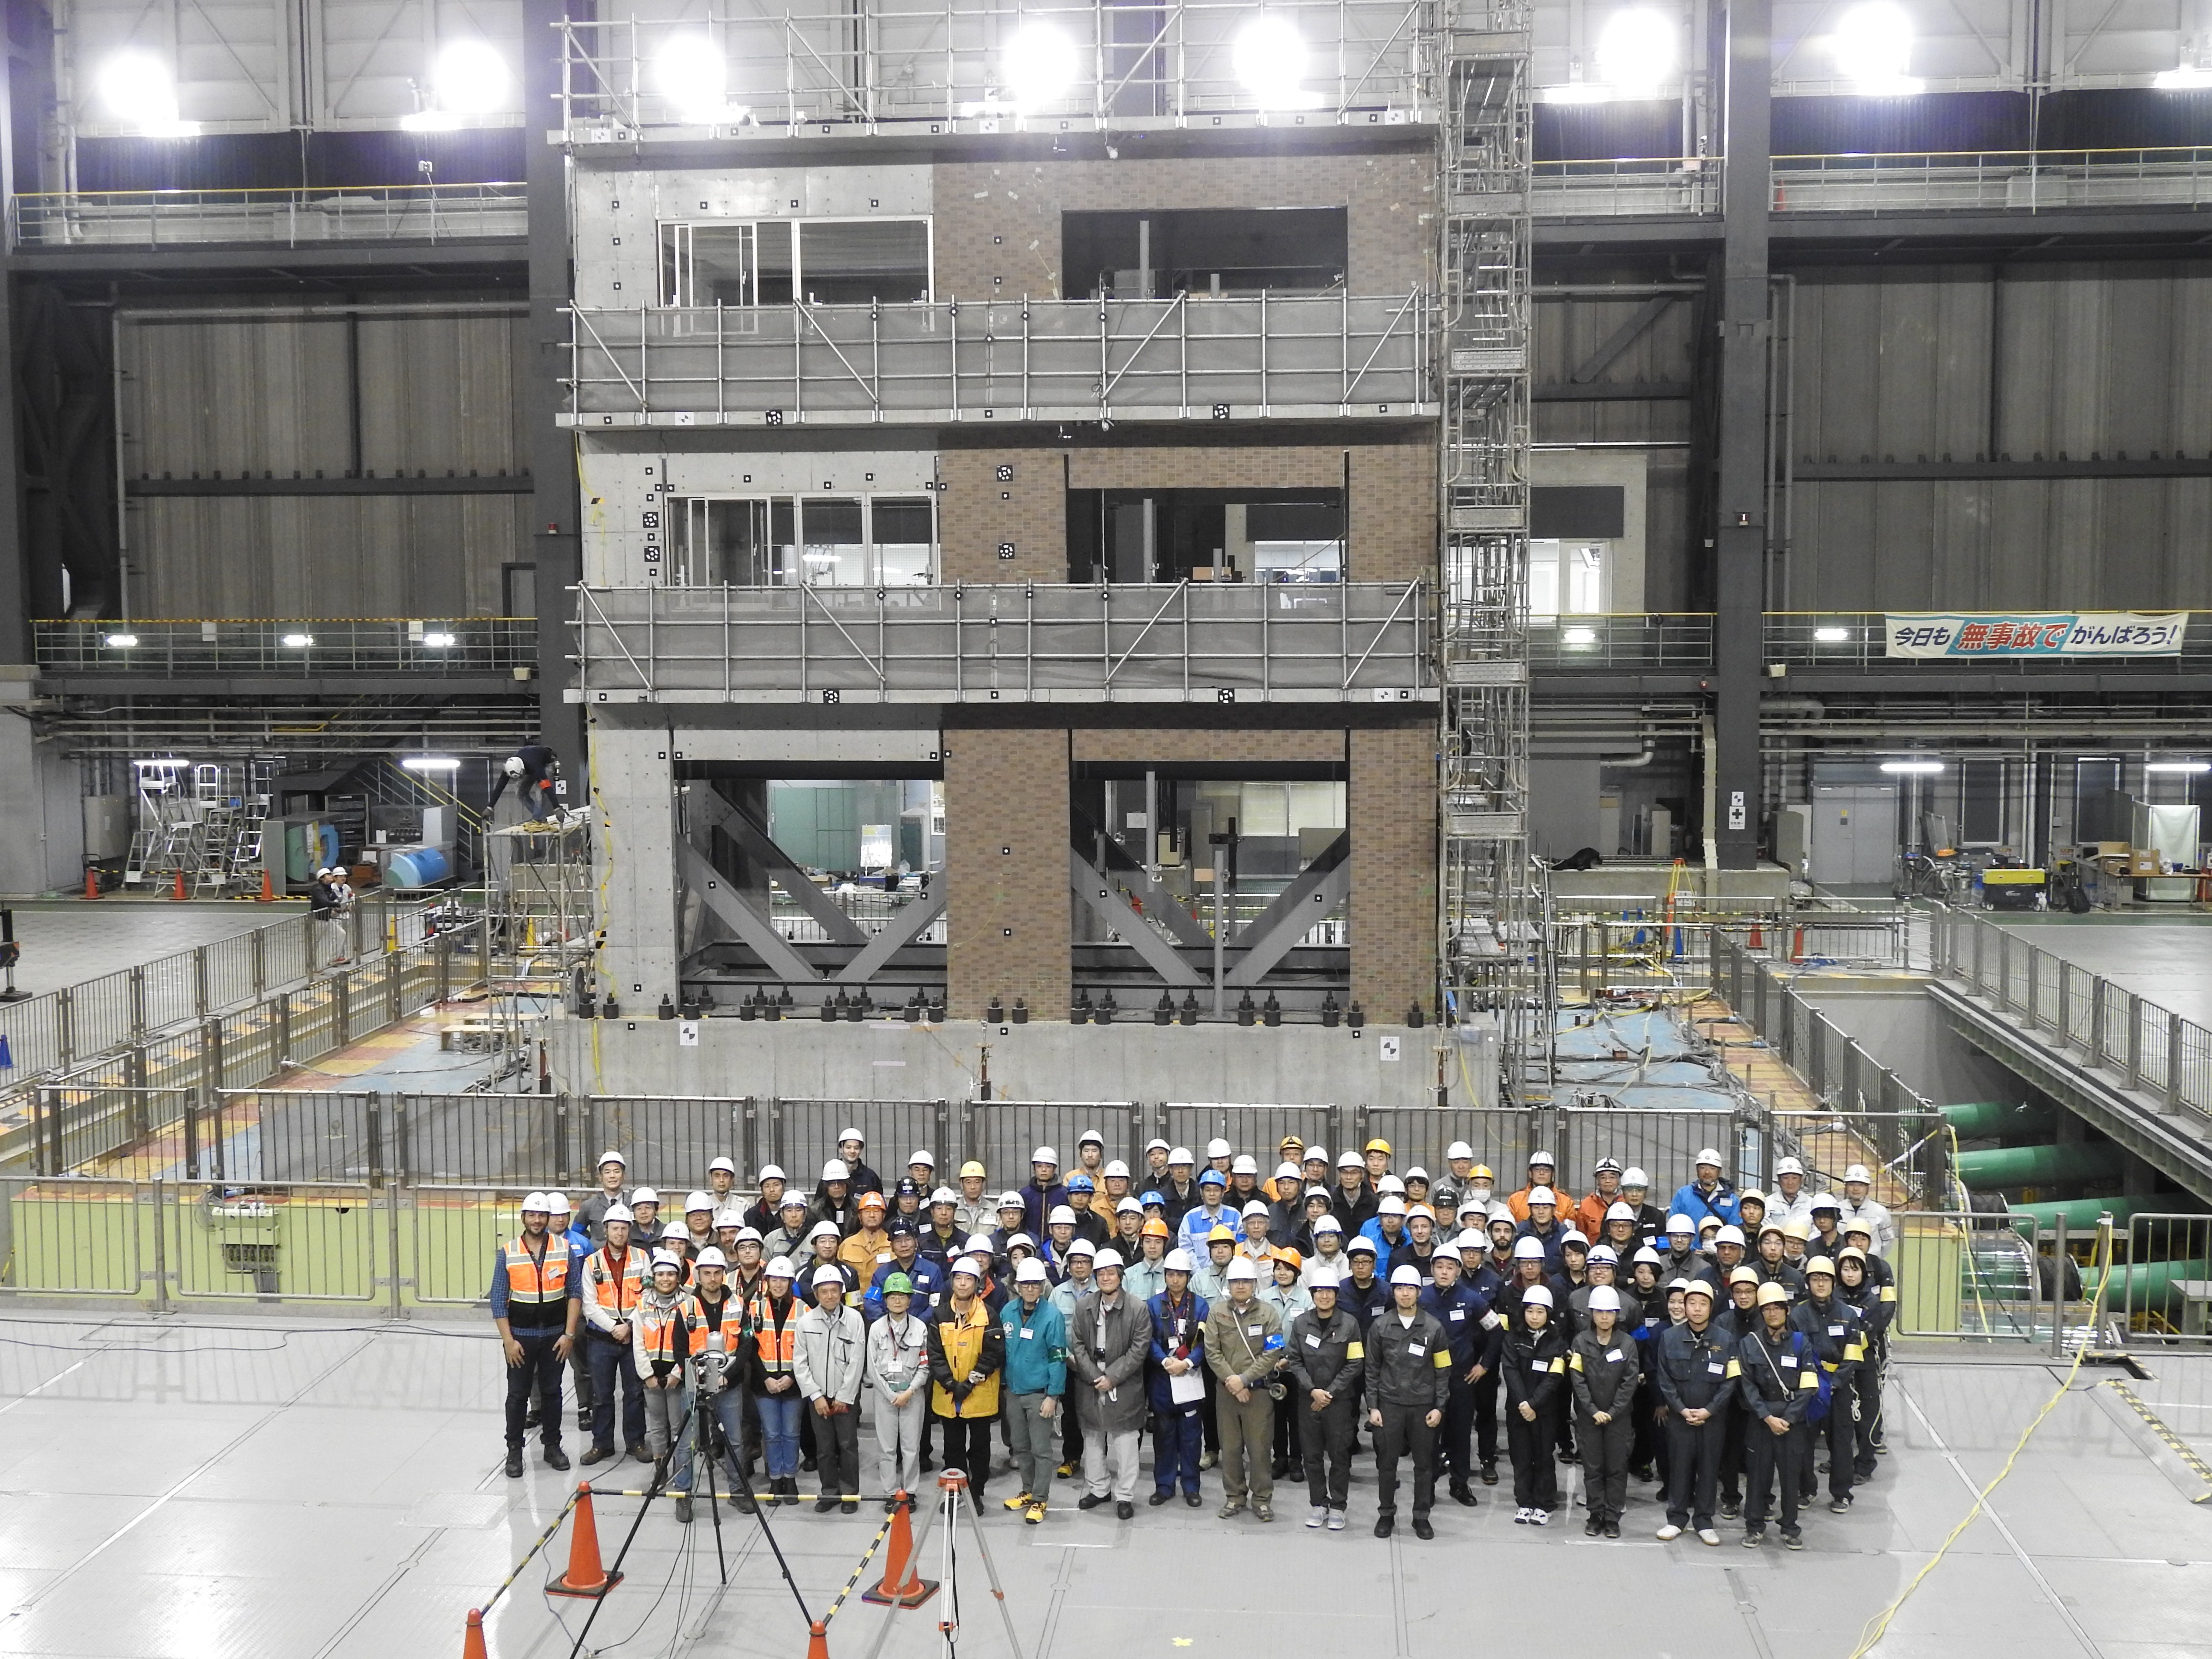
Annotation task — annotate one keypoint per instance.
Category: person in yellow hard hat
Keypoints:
(1376, 1156)
(975, 1210)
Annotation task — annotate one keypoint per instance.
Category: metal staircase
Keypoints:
(1492, 943)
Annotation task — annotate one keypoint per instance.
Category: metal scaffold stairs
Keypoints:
(1490, 945)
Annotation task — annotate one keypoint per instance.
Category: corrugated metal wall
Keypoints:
(309, 397)
(2092, 361)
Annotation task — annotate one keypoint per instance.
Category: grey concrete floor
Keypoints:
(71, 942)
(2167, 959)
(193, 1487)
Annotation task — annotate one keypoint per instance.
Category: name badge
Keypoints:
(1541, 1367)
(883, 1255)
(1027, 1335)
(1416, 1349)
(1613, 1354)
(1313, 1342)
(1835, 1330)
(1717, 1368)
(1459, 1313)
(1252, 1330)
(1790, 1360)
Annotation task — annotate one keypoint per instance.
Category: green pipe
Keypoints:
(1982, 1118)
(2081, 1213)
(2021, 1166)
(2147, 1283)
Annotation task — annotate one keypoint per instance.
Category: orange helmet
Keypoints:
(1155, 1228)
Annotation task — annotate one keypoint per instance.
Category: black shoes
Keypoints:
(1612, 1528)
(1461, 1493)
(1731, 1508)
(1490, 1472)
(1160, 1497)
(1126, 1510)
(641, 1454)
(514, 1462)
(826, 1503)
(1194, 1499)
(1385, 1525)
(1422, 1528)
(849, 1506)
(1593, 1527)
(555, 1458)
(597, 1455)
(1089, 1501)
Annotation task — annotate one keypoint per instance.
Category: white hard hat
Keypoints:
(850, 1133)
(971, 1266)
(729, 1216)
(1679, 1223)
(1407, 1274)
(1045, 1155)
(1458, 1149)
(1060, 1212)
(606, 1158)
(1327, 1223)
(1608, 1166)
(1031, 1272)
(1645, 1253)
(617, 1212)
(1711, 1155)
(976, 1245)
(1536, 1296)
(1390, 1183)
(748, 1235)
(1178, 1262)
(513, 767)
(1315, 1154)
(778, 1267)
(1180, 1155)
(1617, 1211)
(1543, 1195)
(1254, 1206)
(1081, 1247)
(1155, 1145)
(722, 1163)
(643, 1195)
(1116, 1167)
(538, 1202)
(1573, 1235)
(1014, 1242)
(1218, 1147)
(1241, 1268)
(1730, 1234)
(557, 1201)
(1391, 1205)
(1348, 1159)
(827, 1273)
(945, 1195)
(1501, 1210)
(1858, 1172)
(667, 1258)
(1106, 1259)
(1010, 1202)
(1470, 1240)
(837, 1170)
(1127, 1205)
(712, 1256)
(1633, 1177)
(821, 1228)
(1417, 1173)
(1783, 1166)
(792, 1200)
(1089, 1138)
(1604, 1255)
(1325, 1278)
(773, 1172)
(1544, 1158)
(1527, 1249)
(1245, 1163)
(698, 1200)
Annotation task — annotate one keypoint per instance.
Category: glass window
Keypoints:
(905, 541)
(847, 262)
(783, 541)
(833, 552)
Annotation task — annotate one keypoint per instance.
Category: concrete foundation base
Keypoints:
(1381, 1066)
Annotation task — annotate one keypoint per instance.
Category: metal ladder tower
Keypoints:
(1492, 946)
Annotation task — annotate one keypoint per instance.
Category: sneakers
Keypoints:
(1263, 1512)
(1707, 1536)
(1668, 1533)
(1206, 1460)
(1612, 1528)
(1021, 1500)
(1490, 1472)
(1593, 1527)
(1539, 1517)
(1840, 1505)
(1034, 1515)
(1066, 1471)
(1318, 1517)
(1731, 1508)
(1234, 1506)
(1752, 1541)
(1336, 1520)
(1520, 1515)
(1795, 1540)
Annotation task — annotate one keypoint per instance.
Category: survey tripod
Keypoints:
(952, 1500)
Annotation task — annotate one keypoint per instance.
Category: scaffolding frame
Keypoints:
(1490, 949)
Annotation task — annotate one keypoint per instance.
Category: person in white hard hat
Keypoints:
(1091, 1158)
(1156, 1163)
(1542, 1166)
(1180, 1188)
(852, 1149)
(614, 1283)
(1328, 1353)
(1037, 1378)
(1407, 1381)
(772, 1322)
(967, 1363)
(722, 1181)
(1859, 1204)
(1244, 1349)
(1708, 1193)
(1636, 1191)
(831, 1365)
(1115, 1186)
(698, 1223)
(1044, 1192)
(765, 1216)
(1791, 1199)
(1219, 1155)
(1178, 1319)
(1695, 1368)
(1589, 1217)
(613, 1188)
(1532, 1366)
(661, 1341)
(1777, 1380)
(836, 1201)
(535, 1282)
(1604, 1366)
(1108, 1342)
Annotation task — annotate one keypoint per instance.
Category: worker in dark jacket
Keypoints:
(1696, 1371)
(1864, 1281)
(1837, 1331)
(1407, 1379)
(1776, 1382)
(1327, 1356)
(1474, 1348)
(1177, 1351)
(1532, 1366)
(1604, 1365)
(534, 768)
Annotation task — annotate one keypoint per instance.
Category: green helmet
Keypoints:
(898, 1285)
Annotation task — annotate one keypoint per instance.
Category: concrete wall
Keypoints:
(1037, 1061)
(1904, 1030)
(633, 790)
(41, 813)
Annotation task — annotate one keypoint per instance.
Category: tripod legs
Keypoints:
(952, 1499)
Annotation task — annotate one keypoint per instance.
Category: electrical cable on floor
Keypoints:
(1878, 1626)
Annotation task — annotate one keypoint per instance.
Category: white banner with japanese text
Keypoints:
(2036, 634)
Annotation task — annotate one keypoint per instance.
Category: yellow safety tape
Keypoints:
(2175, 1443)
(543, 1539)
(876, 1543)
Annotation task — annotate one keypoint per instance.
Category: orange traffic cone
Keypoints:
(267, 890)
(1757, 937)
(91, 882)
(472, 1644)
(584, 1577)
(902, 1586)
(180, 891)
(818, 1640)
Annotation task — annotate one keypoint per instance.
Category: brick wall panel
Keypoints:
(978, 511)
(1005, 870)
(1391, 805)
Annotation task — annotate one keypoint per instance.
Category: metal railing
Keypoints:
(944, 67)
(1601, 947)
(1982, 1274)
(303, 649)
(1932, 181)
(1860, 639)
(2163, 1291)
(1192, 357)
(1036, 641)
(1659, 639)
(289, 218)
(2149, 1050)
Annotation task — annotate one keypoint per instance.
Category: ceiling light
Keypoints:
(2192, 767)
(1912, 768)
(1270, 58)
(1576, 92)
(1832, 636)
(472, 78)
(122, 642)
(1636, 51)
(298, 642)
(437, 641)
(136, 88)
(1037, 65)
(1579, 636)
(1873, 45)
(2186, 78)
(431, 763)
(694, 77)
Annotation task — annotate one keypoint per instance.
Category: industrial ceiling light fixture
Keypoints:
(122, 642)
(468, 78)
(1637, 51)
(693, 75)
(1270, 59)
(1037, 66)
(298, 642)
(430, 764)
(2191, 768)
(137, 87)
(1831, 635)
(1912, 768)
(2188, 77)
(437, 640)
(1872, 46)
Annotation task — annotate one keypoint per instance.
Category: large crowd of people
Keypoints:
(1727, 1344)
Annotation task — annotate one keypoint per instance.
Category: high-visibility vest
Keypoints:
(657, 1328)
(620, 1286)
(529, 1279)
(722, 1338)
(775, 1339)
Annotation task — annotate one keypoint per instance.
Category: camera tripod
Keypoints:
(952, 1499)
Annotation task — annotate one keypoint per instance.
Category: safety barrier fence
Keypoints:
(2148, 1050)
(295, 649)
(2161, 1290)
(162, 1091)
(1640, 946)
(1981, 1274)
(288, 218)
(1895, 1123)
